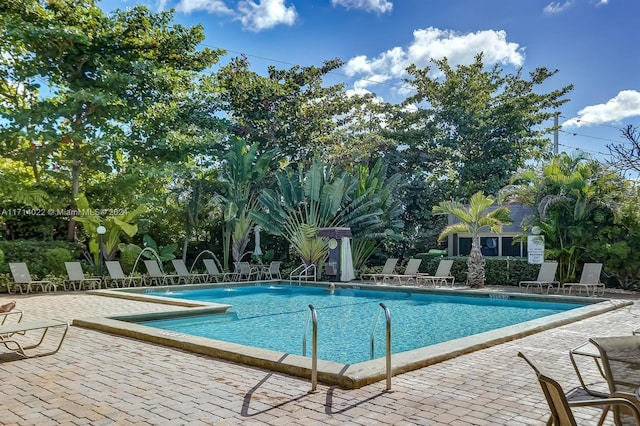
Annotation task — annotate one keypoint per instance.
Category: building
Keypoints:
(503, 244)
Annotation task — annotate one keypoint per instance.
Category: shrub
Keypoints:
(37, 257)
(55, 259)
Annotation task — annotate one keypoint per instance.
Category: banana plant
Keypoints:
(372, 211)
(243, 171)
(115, 226)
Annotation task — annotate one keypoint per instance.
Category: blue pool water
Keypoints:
(274, 317)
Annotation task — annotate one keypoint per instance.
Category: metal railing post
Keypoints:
(387, 315)
(314, 348)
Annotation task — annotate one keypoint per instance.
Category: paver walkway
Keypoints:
(101, 379)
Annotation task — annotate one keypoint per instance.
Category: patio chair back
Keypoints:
(412, 267)
(153, 268)
(560, 410)
(180, 267)
(547, 272)
(115, 270)
(591, 273)
(274, 270)
(389, 266)
(212, 268)
(620, 361)
(20, 273)
(444, 268)
(74, 271)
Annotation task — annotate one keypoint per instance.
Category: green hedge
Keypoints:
(42, 257)
(498, 270)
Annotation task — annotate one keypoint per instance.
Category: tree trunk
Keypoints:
(75, 190)
(475, 266)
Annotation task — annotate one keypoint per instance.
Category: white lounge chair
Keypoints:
(157, 277)
(410, 273)
(22, 280)
(117, 278)
(546, 278)
(181, 269)
(273, 271)
(77, 280)
(388, 269)
(589, 280)
(215, 274)
(441, 277)
(246, 272)
(18, 337)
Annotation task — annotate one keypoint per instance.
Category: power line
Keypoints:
(588, 136)
(585, 150)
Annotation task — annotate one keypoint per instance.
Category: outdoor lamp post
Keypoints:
(101, 230)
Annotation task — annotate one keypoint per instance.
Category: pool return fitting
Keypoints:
(313, 315)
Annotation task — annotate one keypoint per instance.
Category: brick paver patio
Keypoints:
(100, 379)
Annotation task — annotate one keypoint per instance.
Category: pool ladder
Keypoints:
(313, 317)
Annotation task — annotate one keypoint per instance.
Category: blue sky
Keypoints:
(593, 44)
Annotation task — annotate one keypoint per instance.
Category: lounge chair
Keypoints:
(388, 269)
(24, 283)
(12, 316)
(546, 278)
(410, 273)
(589, 280)
(181, 269)
(620, 359)
(246, 272)
(273, 271)
(561, 413)
(215, 274)
(77, 280)
(157, 277)
(18, 337)
(441, 277)
(117, 278)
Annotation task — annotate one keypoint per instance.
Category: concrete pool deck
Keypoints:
(98, 378)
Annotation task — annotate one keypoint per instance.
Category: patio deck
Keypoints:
(101, 379)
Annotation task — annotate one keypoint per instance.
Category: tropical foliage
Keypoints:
(127, 109)
(473, 218)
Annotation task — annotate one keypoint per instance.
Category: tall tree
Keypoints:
(474, 127)
(289, 111)
(98, 73)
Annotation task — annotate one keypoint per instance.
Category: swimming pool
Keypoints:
(276, 317)
(345, 375)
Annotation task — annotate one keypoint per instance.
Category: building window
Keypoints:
(464, 246)
(493, 246)
(511, 249)
(489, 246)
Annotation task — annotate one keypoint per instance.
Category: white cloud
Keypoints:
(557, 7)
(210, 6)
(433, 43)
(601, 2)
(377, 6)
(624, 105)
(265, 14)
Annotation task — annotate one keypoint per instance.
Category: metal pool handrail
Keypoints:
(303, 271)
(314, 345)
(387, 315)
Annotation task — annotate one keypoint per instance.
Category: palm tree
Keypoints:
(473, 218)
